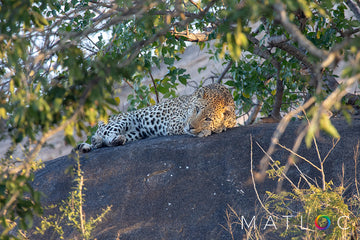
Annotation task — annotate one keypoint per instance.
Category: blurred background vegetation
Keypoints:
(60, 60)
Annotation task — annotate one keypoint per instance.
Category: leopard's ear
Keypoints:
(200, 93)
(229, 109)
(229, 112)
(229, 116)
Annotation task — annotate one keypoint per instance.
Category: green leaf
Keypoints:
(246, 95)
(39, 19)
(3, 113)
(69, 130)
(183, 80)
(169, 60)
(310, 135)
(325, 124)
(117, 100)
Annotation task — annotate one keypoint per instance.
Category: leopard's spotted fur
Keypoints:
(209, 109)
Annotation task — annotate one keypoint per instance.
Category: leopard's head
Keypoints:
(212, 110)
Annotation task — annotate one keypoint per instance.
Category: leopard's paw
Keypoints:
(83, 147)
(118, 140)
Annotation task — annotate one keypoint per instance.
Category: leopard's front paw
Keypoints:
(84, 147)
(204, 133)
(118, 140)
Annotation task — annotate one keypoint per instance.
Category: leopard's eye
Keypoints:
(208, 119)
(197, 109)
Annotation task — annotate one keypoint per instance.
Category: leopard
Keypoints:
(210, 109)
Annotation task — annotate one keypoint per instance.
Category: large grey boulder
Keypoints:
(179, 187)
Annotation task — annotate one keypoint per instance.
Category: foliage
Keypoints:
(19, 202)
(72, 213)
(306, 203)
(278, 65)
(293, 212)
(311, 203)
(59, 61)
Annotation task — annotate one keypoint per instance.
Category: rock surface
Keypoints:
(179, 187)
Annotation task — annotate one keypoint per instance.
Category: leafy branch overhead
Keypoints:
(80, 42)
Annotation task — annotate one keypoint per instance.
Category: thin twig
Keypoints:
(303, 175)
(229, 222)
(317, 150)
(334, 145)
(196, 5)
(282, 173)
(296, 34)
(353, 8)
(128, 83)
(298, 142)
(356, 156)
(253, 178)
(228, 66)
(93, 42)
(155, 88)
(280, 129)
(299, 156)
(322, 172)
(81, 213)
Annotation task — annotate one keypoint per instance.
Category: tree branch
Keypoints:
(266, 54)
(334, 97)
(275, 112)
(155, 88)
(296, 34)
(262, 51)
(292, 50)
(196, 5)
(354, 8)
(280, 129)
(228, 66)
(191, 37)
(174, 14)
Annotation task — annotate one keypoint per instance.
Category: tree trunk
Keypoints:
(275, 113)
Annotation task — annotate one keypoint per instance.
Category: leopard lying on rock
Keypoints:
(209, 109)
